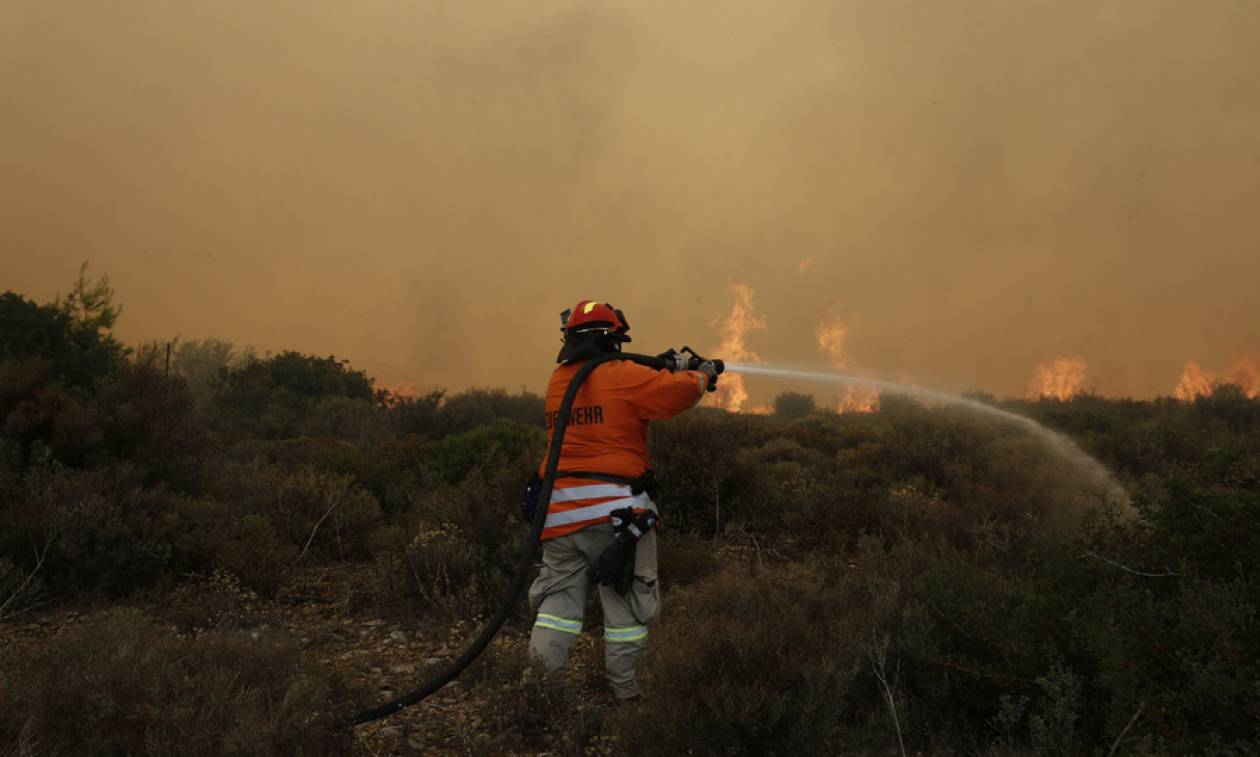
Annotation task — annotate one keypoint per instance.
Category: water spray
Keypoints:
(1059, 443)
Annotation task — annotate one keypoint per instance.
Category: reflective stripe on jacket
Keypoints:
(584, 504)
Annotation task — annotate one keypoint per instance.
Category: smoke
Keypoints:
(421, 188)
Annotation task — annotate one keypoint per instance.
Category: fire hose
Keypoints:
(674, 361)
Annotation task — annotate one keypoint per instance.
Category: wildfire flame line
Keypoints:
(1061, 379)
(733, 331)
(1196, 382)
(832, 334)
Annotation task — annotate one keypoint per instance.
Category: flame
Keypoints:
(395, 394)
(1196, 382)
(859, 399)
(733, 330)
(832, 334)
(1062, 379)
(1245, 375)
(762, 410)
(403, 389)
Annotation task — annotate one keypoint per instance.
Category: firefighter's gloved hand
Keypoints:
(677, 361)
(710, 370)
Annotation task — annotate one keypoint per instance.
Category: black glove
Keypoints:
(615, 566)
(709, 369)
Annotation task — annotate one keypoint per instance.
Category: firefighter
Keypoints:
(600, 526)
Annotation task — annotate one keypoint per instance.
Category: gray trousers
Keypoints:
(559, 596)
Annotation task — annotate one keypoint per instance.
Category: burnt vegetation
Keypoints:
(835, 583)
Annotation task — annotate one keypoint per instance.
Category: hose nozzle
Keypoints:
(688, 360)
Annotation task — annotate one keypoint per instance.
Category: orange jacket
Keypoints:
(608, 433)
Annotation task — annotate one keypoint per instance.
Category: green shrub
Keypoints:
(455, 456)
(119, 684)
(472, 408)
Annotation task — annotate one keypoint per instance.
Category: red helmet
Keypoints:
(589, 315)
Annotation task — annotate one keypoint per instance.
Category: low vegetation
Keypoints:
(916, 578)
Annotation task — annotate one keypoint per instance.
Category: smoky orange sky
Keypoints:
(976, 187)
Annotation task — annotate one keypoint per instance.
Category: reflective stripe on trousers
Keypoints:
(627, 634)
(557, 623)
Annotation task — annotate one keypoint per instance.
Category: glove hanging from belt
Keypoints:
(615, 566)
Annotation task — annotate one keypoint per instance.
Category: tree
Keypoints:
(90, 303)
(77, 351)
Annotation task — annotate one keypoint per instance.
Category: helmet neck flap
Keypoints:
(587, 344)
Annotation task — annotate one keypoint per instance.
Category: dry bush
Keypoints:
(104, 531)
(217, 602)
(323, 516)
(522, 708)
(455, 550)
(684, 559)
(121, 685)
(745, 663)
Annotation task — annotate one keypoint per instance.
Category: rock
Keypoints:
(398, 636)
(402, 668)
